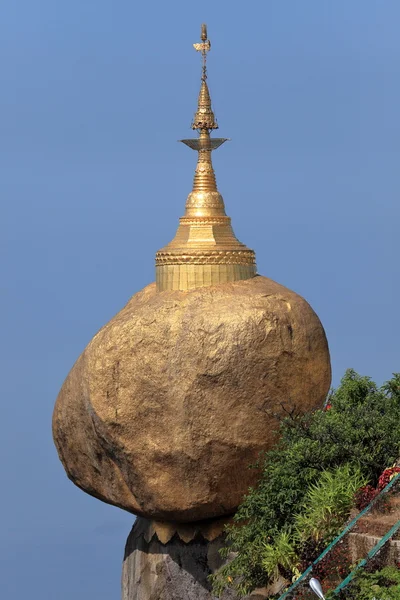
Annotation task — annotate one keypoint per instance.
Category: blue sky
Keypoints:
(94, 96)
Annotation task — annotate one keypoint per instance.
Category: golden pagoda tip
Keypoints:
(205, 250)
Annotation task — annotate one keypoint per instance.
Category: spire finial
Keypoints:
(204, 117)
(203, 47)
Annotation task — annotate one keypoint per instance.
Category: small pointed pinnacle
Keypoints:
(204, 117)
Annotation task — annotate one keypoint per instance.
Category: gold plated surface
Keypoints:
(205, 250)
(174, 397)
(164, 531)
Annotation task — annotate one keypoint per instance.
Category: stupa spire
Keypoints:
(204, 118)
(205, 250)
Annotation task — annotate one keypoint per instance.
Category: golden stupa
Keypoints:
(178, 394)
(204, 251)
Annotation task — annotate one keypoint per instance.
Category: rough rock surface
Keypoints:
(171, 571)
(175, 397)
(360, 544)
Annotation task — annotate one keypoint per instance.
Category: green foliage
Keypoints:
(325, 508)
(281, 557)
(382, 585)
(361, 429)
(327, 504)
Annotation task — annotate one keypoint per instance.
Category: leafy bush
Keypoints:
(383, 585)
(325, 508)
(335, 565)
(361, 428)
(327, 504)
(281, 557)
(364, 496)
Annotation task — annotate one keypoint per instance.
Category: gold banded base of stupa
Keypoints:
(205, 250)
(187, 277)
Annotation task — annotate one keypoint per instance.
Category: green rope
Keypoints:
(340, 536)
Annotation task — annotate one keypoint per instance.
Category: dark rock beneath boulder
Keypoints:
(172, 571)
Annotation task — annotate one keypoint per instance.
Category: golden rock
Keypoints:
(176, 396)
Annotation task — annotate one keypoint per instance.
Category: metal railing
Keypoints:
(303, 577)
(369, 556)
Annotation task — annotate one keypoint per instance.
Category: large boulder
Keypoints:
(178, 394)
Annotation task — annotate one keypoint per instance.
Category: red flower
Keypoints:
(387, 476)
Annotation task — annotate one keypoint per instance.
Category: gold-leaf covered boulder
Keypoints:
(178, 394)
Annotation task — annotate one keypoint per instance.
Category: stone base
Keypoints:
(360, 544)
(174, 570)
